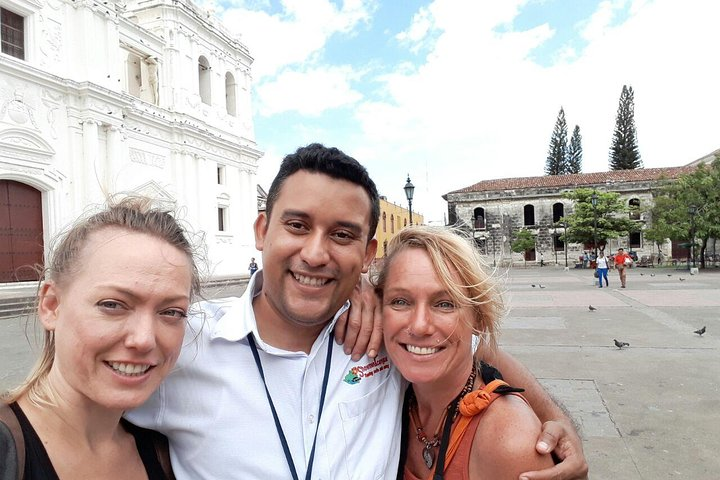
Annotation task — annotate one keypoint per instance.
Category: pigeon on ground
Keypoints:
(591, 308)
(621, 344)
(652, 274)
(541, 286)
(669, 275)
(642, 274)
(700, 332)
(533, 285)
(682, 279)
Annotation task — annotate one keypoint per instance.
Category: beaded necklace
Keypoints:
(428, 452)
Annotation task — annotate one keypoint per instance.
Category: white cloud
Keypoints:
(296, 36)
(309, 93)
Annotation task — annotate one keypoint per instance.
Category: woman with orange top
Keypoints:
(461, 420)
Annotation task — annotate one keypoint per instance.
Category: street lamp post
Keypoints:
(692, 211)
(409, 191)
(564, 224)
(593, 200)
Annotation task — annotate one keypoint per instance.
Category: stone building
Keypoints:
(493, 209)
(99, 97)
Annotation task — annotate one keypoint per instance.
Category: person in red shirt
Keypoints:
(622, 261)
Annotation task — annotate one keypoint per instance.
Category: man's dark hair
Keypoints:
(333, 163)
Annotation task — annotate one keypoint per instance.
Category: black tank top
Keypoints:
(39, 467)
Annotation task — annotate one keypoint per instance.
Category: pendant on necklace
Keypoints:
(428, 456)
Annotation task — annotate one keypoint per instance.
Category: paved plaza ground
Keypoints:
(648, 411)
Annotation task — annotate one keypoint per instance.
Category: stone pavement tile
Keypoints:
(560, 298)
(685, 298)
(609, 459)
(545, 323)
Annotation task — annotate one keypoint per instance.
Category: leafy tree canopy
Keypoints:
(610, 212)
(671, 217)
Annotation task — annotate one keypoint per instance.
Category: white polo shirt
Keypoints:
(214, 409)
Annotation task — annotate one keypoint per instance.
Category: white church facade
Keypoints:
(99, 97)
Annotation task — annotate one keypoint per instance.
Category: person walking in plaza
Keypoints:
(622, 262)
(253, 267)
(602, 269)
(113, 303)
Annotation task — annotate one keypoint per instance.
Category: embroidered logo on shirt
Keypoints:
(364, 371)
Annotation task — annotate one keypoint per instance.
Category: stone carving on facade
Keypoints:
(17, 110)
(223, 239)
(51, 44)
(146, 158)
(155, 191)
(28, 170)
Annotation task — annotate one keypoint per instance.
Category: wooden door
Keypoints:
(21, 232)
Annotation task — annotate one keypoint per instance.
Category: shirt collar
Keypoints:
(238, 320)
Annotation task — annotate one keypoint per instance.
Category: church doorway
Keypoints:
(21, 232)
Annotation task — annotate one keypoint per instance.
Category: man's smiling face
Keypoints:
(315, 245)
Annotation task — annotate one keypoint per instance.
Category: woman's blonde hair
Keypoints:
(460, 269)
(133, 213)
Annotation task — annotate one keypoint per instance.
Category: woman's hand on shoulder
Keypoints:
(504, 445)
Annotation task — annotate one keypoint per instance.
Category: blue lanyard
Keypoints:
(278, 426)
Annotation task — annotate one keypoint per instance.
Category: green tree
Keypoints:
(624, 154)
(524, 241)
(609, 219)
(556, 162)
(574, 155)
(671, 218)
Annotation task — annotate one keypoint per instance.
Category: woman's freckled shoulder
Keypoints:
(506, 437)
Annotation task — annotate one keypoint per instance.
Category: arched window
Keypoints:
(558, 211)
(634, 204)
(529, 215)
(384, 222)
(204, 80)
(392, 223)
(479, 218)
(230, 101)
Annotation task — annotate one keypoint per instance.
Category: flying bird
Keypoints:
(591, 308)
(701, 331)
(621, 344)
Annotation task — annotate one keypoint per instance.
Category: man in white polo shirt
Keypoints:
(261, 390)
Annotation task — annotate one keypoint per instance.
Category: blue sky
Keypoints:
(458, 91)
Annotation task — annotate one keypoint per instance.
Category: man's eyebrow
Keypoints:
(293, 214)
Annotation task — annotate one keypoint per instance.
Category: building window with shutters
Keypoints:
(12, 33)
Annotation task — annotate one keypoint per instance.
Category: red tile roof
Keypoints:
(576, 179)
